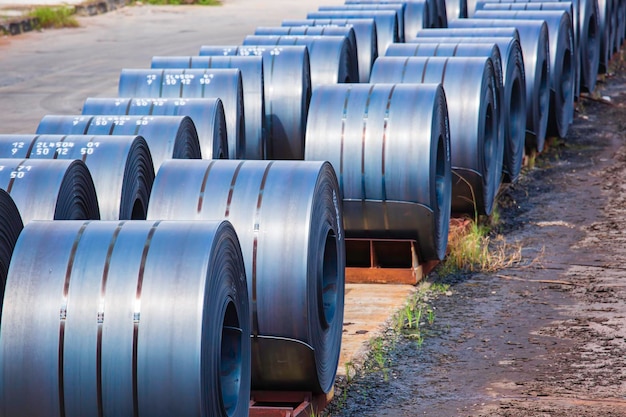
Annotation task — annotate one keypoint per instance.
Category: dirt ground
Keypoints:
(548, 336)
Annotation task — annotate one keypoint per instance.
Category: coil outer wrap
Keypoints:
(253, 92)
(514, 97)
(364, 33)
(456, 9)
(536, 49)
(10, 228)
(130, 318)
(167, 136)
(333, 59)
(207, 115)
(390, 147)
(120, 166)
(415, 14)
(467, 32)
(287, 81)
(562, 62)
(225, 84)
(475, 142)
(50, 189)
(386, 23)
(289, 220)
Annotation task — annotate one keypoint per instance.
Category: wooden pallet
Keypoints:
(287, 403)
(384, 262)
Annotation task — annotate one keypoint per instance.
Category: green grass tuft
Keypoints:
(54, 17)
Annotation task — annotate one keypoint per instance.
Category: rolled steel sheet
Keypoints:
(346, 31)
(474, 111)
(468, 32)
(386, 23)
(251, 68)
(120, 166)
(399, 8)
(456, 9)
(287, 82)
(562, 62)
(605, 11)
(365, 36)
(50, 189)
(416, 14)
(536, 49)
(10, 228)
(390, 147)
(513, 97)
(126, 318)
(288, 217)
(225, 84)
(332, 58)
(586, 28)
(207, 115)
(167, 136)
(552, 6)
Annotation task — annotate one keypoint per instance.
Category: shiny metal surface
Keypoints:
(332, 58)
(514, 80)
(50, 189)
(474, 111)
(510, 69)
(287, 82)
(399, 8)
(10, 228)
(120, 166)
(365, 37)
(207, 115)
(225, 84)
(468, 32)
(416, 14)
(386, 23)
(551, 6)
(456, 9)
(536, 49)
(390, 147)
(287, 215)
(605, 29)
(126, 318)
(167, 136)
(251, 68)
(346, 31)
(562, 62)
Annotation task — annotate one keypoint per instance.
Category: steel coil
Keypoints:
(10, 228)
(365, 37)
(386, 23)
(207, 115)
(120, 166)
(605, 27)
(332, 58)
(468, 32)
(390, 147)
(474, 111)
(287, 81)
(562, 62)
(167, 136)
(50, 189)
(456, 9)
(551, 6)
(345, 31)
(412, 16)
(225, 84)
(126, 318)
(536, 49)
(288, 218)
(399, 8)
(513, 116)
(251, 68)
